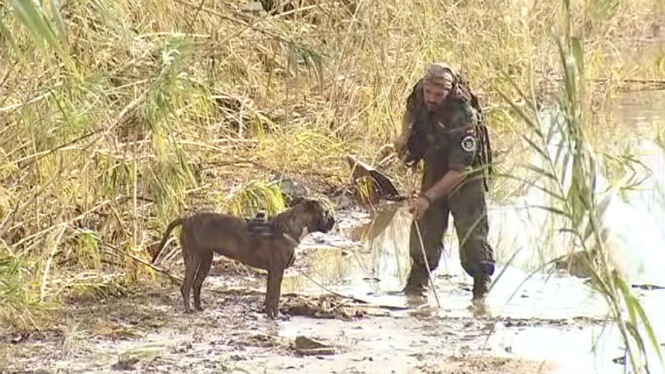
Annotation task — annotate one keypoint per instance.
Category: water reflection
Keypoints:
(634, 230)
(633, 220)
(636, 223)
(380, 265)
(521, 232)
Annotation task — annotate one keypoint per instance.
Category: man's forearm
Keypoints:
(445, 185)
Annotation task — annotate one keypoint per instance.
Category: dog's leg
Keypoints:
(192, 262)
(204, 268)
(273, 289)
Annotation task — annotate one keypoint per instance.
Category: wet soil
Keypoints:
(150, 333)
(373, 331)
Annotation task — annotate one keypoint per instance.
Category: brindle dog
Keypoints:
(230, 236)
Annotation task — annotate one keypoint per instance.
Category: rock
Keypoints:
(577, 263)
(307, 347)
(384, 187)
(343, 201)
(290, 188)
(125, 364)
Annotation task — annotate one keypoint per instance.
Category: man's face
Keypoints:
(434, 94)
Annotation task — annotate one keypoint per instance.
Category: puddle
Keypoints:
(380, 268)
(634, 222)
(377, 263)
(548, 318)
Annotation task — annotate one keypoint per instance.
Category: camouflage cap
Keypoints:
(439, 74)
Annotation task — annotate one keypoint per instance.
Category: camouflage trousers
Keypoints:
(469, 210)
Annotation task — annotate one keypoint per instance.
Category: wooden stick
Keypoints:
(429, 273)
(172, 277)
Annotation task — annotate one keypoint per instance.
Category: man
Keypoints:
(440, 126)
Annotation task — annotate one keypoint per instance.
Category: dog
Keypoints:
(269, 246)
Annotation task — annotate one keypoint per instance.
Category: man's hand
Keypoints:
(418, 207)
(400, 146)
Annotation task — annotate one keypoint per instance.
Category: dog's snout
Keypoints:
(328, 223)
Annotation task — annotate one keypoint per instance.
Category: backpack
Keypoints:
(416, 142)
(463, 91)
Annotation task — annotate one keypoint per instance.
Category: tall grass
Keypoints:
(116, 116)
(567, 172)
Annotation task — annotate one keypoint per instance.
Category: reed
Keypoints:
(566, 170)
(115, 116)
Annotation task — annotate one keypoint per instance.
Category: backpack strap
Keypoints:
(462, 90)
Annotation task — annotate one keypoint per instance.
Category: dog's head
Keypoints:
(322, 217)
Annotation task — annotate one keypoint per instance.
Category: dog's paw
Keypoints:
(271, 312)
(284, 317)
(199, 308)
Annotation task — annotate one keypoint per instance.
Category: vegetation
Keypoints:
(569, 180)
(116, 116)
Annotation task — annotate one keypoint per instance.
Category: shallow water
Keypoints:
(545, 317)
(634, 222)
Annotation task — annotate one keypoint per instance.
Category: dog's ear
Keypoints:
(296, 201)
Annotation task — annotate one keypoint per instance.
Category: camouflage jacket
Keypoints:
(446, 138)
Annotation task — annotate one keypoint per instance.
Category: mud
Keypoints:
(342, 312)
(149, 333)
(372, 330)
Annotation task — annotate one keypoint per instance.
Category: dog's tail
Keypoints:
(176, 222)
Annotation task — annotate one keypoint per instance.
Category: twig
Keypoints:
(659, 82)
(328, 290)
(125, 110)
(31, 101)
(160, 270)
(367, 303)
(205, 165)
(9, 72)
(190, 24)
(65, 223)
(21, 208)
(38, 156)
(146, 263)
(47, 267)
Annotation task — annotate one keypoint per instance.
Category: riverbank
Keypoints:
(117, 117)
(541, 324)
(147, 330)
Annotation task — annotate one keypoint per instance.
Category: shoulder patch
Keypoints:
(469, 143)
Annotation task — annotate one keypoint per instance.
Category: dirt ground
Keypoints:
(317, 334)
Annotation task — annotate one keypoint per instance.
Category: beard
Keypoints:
(432, 106)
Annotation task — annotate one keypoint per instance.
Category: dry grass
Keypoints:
(117, 116)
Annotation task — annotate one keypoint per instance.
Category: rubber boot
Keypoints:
(416, 285)
(481, 286)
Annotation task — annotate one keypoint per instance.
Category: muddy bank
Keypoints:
(547, 322)
(149, 333)
(318, 332)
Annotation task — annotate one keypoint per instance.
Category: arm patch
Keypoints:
(469, 143)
